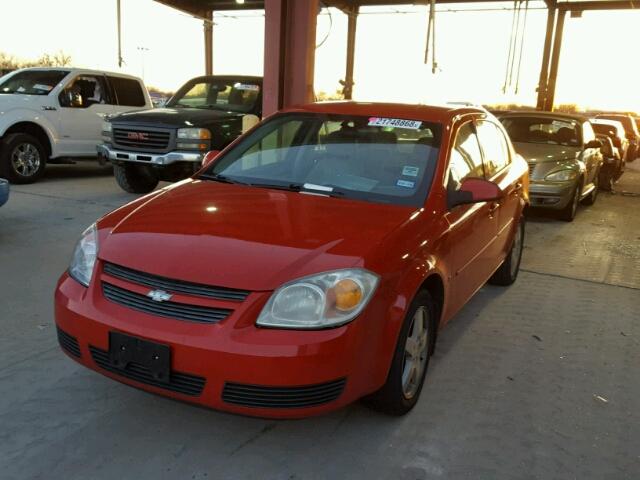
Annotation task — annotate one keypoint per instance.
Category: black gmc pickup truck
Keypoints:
(168, 143)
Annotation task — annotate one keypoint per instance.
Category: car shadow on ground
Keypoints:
(80, 169)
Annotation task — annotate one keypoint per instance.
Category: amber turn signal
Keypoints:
(348, 294)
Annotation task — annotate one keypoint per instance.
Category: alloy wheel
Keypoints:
(25, 159)
(415, 353)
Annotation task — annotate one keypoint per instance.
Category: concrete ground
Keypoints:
(539, 380)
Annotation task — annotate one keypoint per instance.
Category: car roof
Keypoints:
(541, 114)
(427, 113)
(79, 70)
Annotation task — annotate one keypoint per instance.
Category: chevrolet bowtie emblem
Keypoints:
(159, 296)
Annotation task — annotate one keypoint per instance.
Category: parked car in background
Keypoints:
(168, 143)
(308, 265)
(631, 131)
(4, 191)
(47, 114)
(612, 163)
(614, 130)
(563, 155)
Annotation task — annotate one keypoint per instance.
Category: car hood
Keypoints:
(542, 153)
(175, 117)
(248, 238)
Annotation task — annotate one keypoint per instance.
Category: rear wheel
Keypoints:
(410, 361)
(568, 213)
(508, 271)
(135, 178)
(22, 158)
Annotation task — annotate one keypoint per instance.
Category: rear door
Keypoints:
(497, 166)
(473, 228)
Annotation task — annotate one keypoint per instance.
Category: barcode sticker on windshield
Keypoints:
(405, 184)
(39, 86)
(394, 122)
(410, 171)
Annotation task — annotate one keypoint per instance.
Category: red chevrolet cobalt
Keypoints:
(308, 265)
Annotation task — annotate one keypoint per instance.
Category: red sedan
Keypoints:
(310, 264)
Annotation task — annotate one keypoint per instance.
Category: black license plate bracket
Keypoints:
(125, 349)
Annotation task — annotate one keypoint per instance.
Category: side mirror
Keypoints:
(594, 144)
(210, 157)
(474, 190)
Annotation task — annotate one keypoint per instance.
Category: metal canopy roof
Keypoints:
(199, 7)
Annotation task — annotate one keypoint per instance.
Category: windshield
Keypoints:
(366, 158)
(549, 131)
(32, 82)
(218, 94)
(628, 124)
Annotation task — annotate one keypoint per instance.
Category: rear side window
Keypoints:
(466, 159)
(494, 146)
(128, 92)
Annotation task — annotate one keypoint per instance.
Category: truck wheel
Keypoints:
(135, 178)
(22, 158)
(410, 361)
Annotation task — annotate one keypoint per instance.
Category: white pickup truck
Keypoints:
(49, 114)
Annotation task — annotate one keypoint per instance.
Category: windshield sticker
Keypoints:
(46, 88)
(405, 184)
(410, 171)
(394, 122)
(247, 87)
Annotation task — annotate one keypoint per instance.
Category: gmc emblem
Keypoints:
(137, 136)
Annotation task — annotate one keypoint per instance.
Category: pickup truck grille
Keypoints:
(142, 138)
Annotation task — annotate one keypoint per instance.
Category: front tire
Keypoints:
(410, 361)
(568, 213)
(508, 272)
(22, 158)
(135, 178)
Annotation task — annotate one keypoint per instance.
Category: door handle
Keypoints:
(493, 208)
(48, 108)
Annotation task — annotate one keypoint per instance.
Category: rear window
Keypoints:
(128, 92)
(32, 82)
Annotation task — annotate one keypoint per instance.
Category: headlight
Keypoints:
(106, 127)
(319, 301)
(84, 256)
(562, 175)
(194, 134)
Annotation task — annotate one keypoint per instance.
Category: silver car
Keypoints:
(564, 158)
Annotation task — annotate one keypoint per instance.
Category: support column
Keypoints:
(546, 54)
(555, 61)
(352, 24)
(208, 42)
(289, 53)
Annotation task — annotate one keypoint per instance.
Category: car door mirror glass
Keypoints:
(474, 190)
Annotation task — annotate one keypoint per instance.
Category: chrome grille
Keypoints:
(532, 167)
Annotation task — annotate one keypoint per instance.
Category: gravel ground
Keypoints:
(537, 381)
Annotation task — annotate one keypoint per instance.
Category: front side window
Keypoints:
(588, 134)
(466, 159)
(84, 91)
(364, 158)
(548, 131)
(32, 82)
(494, 146)
(218, 94)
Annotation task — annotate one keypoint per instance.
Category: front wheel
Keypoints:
(508, 271)
(568, 213)
(593, 196)
(22, 158)
(135, 178)
(410, 361)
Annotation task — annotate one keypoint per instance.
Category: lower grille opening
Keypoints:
(184, 383)
(69, 343)
(282, 397)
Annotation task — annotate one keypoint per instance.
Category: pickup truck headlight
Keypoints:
(193, 138)
(84, 256)
(562, 175)
(320, 301)
(107, 130)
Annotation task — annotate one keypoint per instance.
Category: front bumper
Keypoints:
(4, 191)
(108, 152)
(231, 365)
(551, 195)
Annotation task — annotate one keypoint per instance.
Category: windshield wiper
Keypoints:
(216, 177)
(302, 188)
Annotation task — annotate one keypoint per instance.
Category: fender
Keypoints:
(19, 115)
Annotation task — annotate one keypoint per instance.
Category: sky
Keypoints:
(166, 48)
